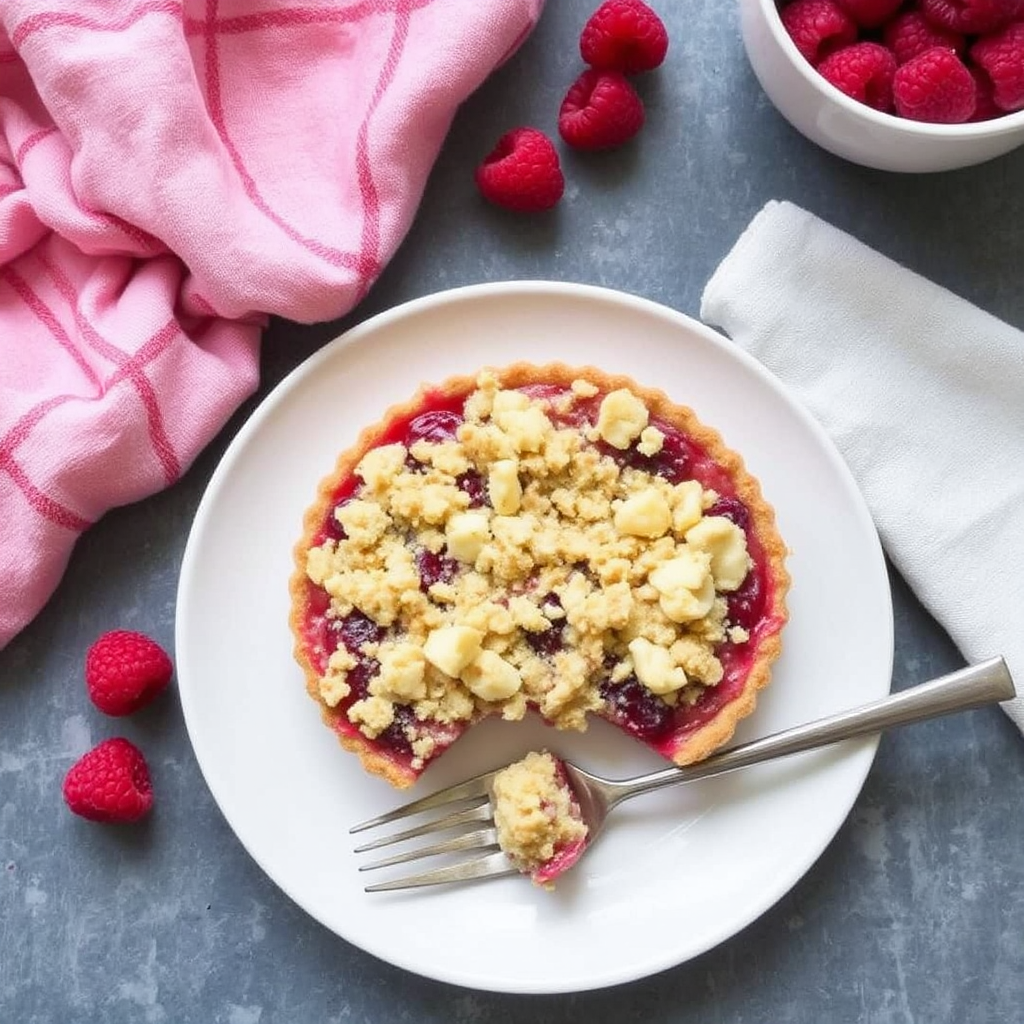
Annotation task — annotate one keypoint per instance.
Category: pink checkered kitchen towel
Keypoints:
(170, 173)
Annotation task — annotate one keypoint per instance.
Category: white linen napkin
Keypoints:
(923, 394)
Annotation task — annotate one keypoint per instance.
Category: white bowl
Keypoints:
(853, 130)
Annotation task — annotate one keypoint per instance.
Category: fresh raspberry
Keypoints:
(935, 86)
(125, 670)
(110, 783)
(969, 16)
(984, 106)
(624, 35)
(864, 72)
(1001, 57)
(818, 27)
(600, 110)
(911, 33)
(522, 172)
(870, 13)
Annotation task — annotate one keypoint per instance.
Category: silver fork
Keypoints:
(971, 687)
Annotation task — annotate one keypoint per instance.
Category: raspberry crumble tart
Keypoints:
(539, 538)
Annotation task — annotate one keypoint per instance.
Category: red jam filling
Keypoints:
(568, 853)
(564, 858)
(628, 704)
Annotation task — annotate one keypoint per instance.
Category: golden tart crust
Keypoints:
(647, 630)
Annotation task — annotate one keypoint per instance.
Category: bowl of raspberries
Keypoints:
(898, 85)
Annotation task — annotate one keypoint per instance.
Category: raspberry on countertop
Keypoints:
(624, 35)
(522, 172)
(601, 110)
(110, 783)
(125, 670)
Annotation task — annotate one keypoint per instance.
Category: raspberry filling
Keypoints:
(628, 703)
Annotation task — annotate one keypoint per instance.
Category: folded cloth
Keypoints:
(922, 393)
(172, 171)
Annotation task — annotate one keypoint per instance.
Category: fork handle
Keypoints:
(971, 687)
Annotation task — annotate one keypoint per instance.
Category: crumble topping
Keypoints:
(627, 569)
(622, 418)
(534, 811)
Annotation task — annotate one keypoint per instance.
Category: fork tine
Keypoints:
(480, 839)
(478, 786)
(478, 812)
(492, 865)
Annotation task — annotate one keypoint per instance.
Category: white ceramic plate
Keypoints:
(676, 872)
